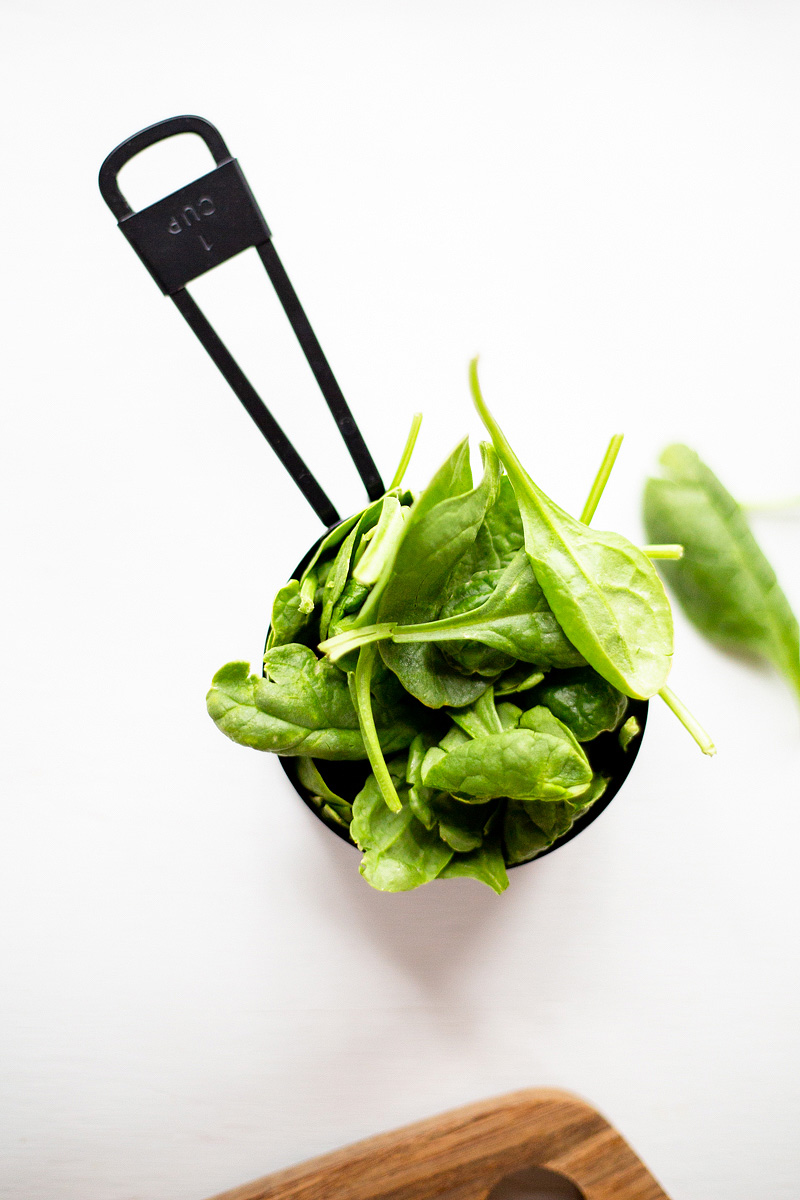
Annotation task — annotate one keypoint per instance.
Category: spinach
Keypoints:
(303, 707)
(486, 864)
(516, 619)
(724, 582)
(603, 591)
(630, 730)
(529, 827)
(399, 852)
(587, 704)
(441, 526)
(334, 807)
(461, 644)
(541, 761)
(291, 611)
(519, 678)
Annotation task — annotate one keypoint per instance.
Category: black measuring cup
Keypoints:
(202, 225)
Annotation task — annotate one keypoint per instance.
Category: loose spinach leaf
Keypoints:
(542, 761)
(303, 707)
(586, 703)
(724, 582)
(399, 852)
(603, 591)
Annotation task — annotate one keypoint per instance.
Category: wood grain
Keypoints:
(463, 1154)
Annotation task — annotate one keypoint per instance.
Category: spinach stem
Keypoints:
(601, 478)
(366, 719)
(772, 506)
(663, 551)
(688, 721)
(351, 639)
(408, 450)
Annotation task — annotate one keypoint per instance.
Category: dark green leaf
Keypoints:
(585, 702)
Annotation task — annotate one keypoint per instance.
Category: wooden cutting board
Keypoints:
(464, 1154)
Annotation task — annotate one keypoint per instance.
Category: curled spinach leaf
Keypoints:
(586, 703)
(303, 707)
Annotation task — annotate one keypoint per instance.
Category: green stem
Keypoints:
(351, 639)
(366, 720)
(664, 551)
(408, 450)
(601, 478)
(688, 721)
(771, 506)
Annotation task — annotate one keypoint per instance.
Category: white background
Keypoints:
(604, 200)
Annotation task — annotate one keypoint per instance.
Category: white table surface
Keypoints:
(604, 200)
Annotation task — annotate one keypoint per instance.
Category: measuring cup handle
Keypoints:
(128, 149)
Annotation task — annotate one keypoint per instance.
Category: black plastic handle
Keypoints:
(200, 226)
(125, 151)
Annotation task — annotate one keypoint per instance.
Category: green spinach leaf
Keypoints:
(303, 707)
(603, 591)
(541, 761)
(486, 864)
(399, 852)
(586, 703)
(724, 582)
(440, 528)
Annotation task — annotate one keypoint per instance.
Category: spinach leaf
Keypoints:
(399, 852)
(479, 718)
(603, 591)
(724, 582)
(337, 577)
(440, 528)
(291, 612)
(516, 619)
(541, 761)
(461, 825)
(336, 808)
(529, 828)
(485, 864)
(630, 730)
(585, 702)
(303, 707)
(519, 678)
